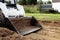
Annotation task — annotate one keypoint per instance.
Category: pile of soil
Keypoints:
(6, 34)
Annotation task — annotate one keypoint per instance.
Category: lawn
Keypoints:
(45, 17)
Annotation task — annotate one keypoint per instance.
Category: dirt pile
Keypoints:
(6, 34)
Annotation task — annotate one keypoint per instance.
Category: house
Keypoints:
(55, 5)
(45, 6)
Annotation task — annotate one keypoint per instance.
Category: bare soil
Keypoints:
(50, 31)
(6, 34)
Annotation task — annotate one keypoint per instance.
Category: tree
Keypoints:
(49, 2)
(23, 2)
(28, 2)
(40, 7)
(32, 2)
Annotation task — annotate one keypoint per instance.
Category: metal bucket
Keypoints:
(25, 25)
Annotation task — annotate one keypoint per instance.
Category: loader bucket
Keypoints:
(25, 25)
(21, 25)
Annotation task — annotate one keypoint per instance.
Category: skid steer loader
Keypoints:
(12, 16)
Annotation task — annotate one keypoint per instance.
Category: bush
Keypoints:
(31, 9)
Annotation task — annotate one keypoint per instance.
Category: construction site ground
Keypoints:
(50, 31)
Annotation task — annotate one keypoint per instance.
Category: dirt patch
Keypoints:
(50, 31)
(6, 34)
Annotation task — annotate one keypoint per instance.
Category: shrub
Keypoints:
(31, 8)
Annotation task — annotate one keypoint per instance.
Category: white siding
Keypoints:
(56, 6)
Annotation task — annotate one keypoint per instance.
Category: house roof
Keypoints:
(55, 0)
(45, 0)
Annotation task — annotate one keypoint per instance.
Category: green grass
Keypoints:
(45, 17)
